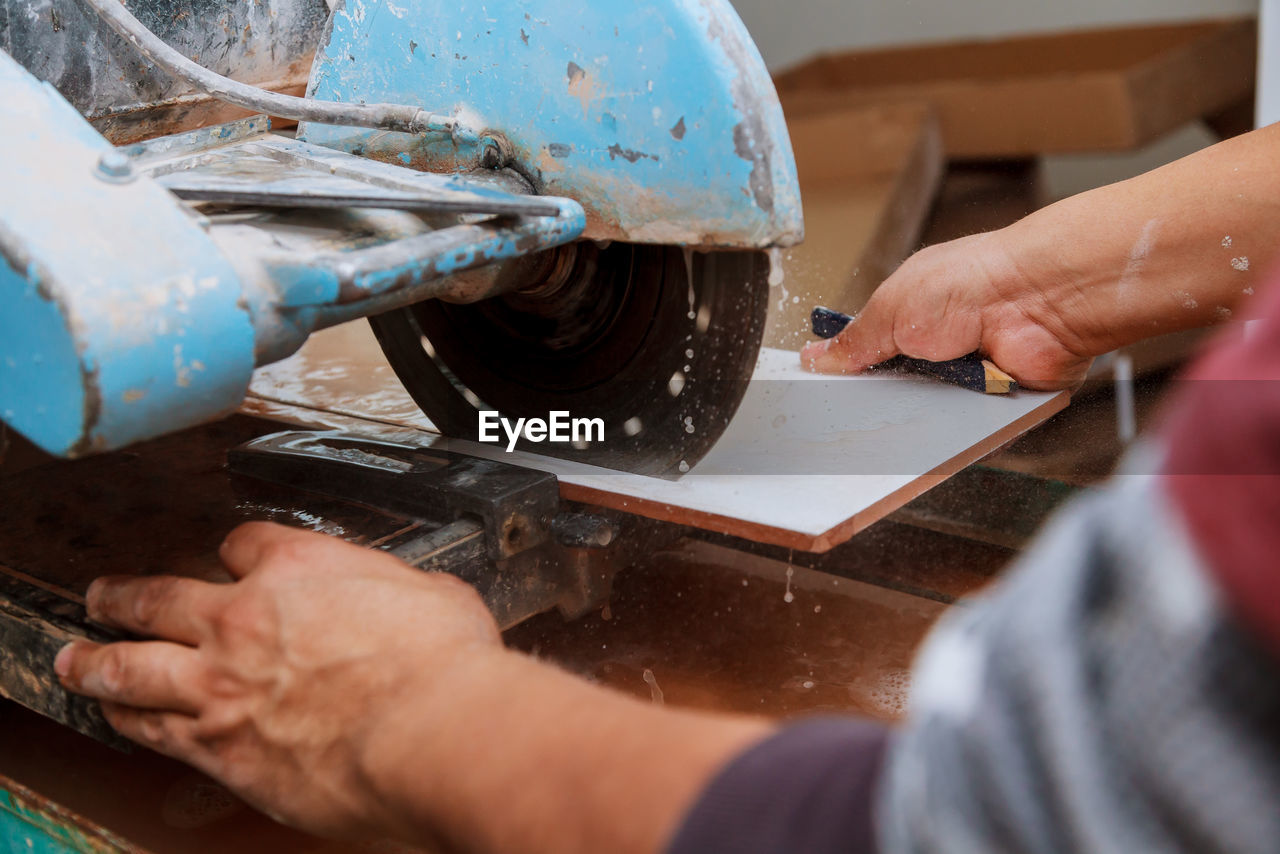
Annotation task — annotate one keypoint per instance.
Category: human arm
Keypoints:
(1173, 249)
(348, 695)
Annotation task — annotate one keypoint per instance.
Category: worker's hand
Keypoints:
(1174, 249)
(949, 300)
(280, 683)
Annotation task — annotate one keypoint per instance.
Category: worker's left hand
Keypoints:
(280, 683)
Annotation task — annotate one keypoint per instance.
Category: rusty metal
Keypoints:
(397, 117)
(660, 118)
(30, 822)
(268, 43)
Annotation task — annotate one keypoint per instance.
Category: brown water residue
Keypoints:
(341, 370)
(712, 626)
(163, 506)
(196, 801)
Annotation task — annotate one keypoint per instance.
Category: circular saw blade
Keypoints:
(655, 341)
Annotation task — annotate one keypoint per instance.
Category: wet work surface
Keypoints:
(702, 624)
(708, 627)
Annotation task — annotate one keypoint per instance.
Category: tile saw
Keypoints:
(513, 192)
(540, 208)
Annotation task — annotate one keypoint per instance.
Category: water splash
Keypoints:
(777, 277)
(776, 273)
(688, 276)
(655, 693)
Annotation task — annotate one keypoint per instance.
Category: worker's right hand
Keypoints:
(971, 294)
(299, 684)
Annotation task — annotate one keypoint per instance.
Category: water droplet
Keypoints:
(776, 274)
(789, 597)
(675, 385)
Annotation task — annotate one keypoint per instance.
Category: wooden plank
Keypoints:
(36, 620)
(806, 463)
(1096, 90)
(867, 176)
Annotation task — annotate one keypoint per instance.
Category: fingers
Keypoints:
(176, 609)
(147, 675)
(866, 341)
(930, 308)
(250, 544)
(254, 546)
(171, 733)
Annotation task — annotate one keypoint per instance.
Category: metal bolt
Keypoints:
(492, 156)
(583, 530)
(115, 166)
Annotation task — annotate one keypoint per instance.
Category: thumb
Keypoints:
(866, 341)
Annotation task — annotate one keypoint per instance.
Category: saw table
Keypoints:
(572, 208)
(699, 621)
(670, 612)
(696, 619)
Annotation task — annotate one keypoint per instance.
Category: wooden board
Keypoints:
(806, 463)
(1096, 90)
(867, 177)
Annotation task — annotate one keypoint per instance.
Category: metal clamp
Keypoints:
(514, 505)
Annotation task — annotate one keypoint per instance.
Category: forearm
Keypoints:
(1175, 248)
(569, 767)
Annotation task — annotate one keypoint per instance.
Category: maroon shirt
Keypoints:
(1223, 466)
(810, 788)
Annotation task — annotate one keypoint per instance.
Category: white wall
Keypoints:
(790, 30)
(1268, 106)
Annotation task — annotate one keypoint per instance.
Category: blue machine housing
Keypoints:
(125, 315)
(117, 312)
(658, 117)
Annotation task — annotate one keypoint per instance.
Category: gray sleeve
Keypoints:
(1099, 699)
(808, 788)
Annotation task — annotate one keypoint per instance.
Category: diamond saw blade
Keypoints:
(656, 342)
